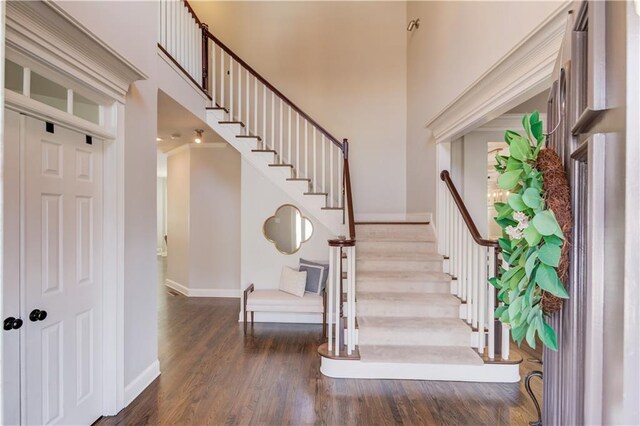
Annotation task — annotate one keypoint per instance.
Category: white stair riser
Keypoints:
(316, 201)
(366, 248)
(408, 337)
(403, 286)
(398, 265)
(332, 219)
(382, 308)
(396, 233)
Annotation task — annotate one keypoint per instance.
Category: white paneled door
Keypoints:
(61, 275)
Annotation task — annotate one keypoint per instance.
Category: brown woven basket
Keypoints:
(557, 195)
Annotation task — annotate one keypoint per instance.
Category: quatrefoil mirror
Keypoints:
(287, 229)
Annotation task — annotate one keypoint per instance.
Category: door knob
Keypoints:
(37, 315)
(11, 323)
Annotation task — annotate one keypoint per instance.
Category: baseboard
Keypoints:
(393, 217)
(140, 383)
(214, 292)
(202, 292)
(285, 317)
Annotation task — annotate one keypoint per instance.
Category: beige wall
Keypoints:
(456, 43)
(178, 198)
(215, 220)
(342, 62)
(203, 200)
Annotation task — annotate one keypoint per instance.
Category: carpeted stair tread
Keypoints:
(423, 298)
(412, 323)
(420, 354)
(431, 276)
(390, 255)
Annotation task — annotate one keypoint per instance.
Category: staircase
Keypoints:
(396, 308)
(409, 318)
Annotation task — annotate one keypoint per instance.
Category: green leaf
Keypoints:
(547, 334)
(549, 254)
(504, 244)
(505, 212)
(531, 197)
(520, 149)
(509, 180)
(547, 279)
(546, 223)
(531, 263)
(500, 310)
(552, 239)
(516, 202)
(518, 333)
(526, 125)
(504, 317)
(536, 130)
(532, 236)
(513, 164)
(531, 335)
(509, 135)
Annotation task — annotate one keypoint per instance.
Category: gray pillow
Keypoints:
(317, 274)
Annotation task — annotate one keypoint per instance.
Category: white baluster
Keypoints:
(338, 297)
(273, 120)
(222, 78)
(289, 138)
(306, 149)
(475, 286)
(255, 104)
(298, 162)
(331, 147)
(281, 133)
(332, 276)
(264, 111)
(212, 55)
(352, 282)
(240, 117)
(469, 262)
(482, 298)
(324, 164)
(491, 305)
(314, 160)
(231, 91)
(247, 89)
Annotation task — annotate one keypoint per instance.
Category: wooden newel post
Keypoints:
(205, 57)
(345, 148)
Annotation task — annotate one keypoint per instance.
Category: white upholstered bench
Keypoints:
(279, 301)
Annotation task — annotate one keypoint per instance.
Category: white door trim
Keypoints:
(63, 49)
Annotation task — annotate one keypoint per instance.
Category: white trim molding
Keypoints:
(193, 145)
(140, 383)
(49, 37)
(523, 72)
(202, 292)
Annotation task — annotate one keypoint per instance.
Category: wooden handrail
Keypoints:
(347, 190)
(274, 90)
(471, 226)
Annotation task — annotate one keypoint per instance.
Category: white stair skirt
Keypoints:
(486, 373)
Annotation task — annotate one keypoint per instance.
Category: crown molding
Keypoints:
(45, 34)
(523, 72)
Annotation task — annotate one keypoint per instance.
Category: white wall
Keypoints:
(161, 216)
(178, 199)
(261, 261)
(130, 28)
(455, 44)
(344, 63)
(203, 201)
(215, 221)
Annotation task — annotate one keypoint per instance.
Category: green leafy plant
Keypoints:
(531, 241)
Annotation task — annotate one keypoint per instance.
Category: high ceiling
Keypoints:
(173, 119)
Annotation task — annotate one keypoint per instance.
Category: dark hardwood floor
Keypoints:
(212, 374)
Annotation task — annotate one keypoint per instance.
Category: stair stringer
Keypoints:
(331, 219)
